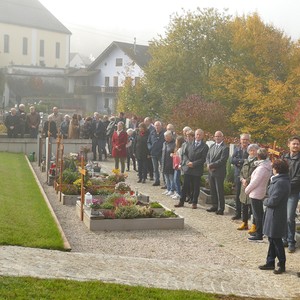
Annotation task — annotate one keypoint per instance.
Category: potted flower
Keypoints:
(117, 176)
(95, 206)
(122, 187)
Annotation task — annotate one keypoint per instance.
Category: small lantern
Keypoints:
(88, 199)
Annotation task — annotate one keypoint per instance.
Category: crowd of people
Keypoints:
(18, 122)
(269, 192)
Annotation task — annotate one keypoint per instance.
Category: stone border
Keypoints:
(99, 224)
(67, 245)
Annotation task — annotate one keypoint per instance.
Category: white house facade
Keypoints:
(34, 49)
(100, 82)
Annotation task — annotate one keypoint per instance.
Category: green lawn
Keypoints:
(53, 289)
(25, 219)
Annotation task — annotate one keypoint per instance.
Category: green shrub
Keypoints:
(3, 128)
(155, 205)
(107, 205)
(69, 176)
(228, 188)
(69, 189)
(127, 212)
(168, 214)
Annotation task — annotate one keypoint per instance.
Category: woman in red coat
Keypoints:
(119, 141)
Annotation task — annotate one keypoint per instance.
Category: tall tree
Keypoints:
(181, 61)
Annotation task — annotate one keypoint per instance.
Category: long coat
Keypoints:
(167, 160)
(257, 187)
(140, 148)
(74, 129)
(275, 220)
(119, 142)
(246, 171)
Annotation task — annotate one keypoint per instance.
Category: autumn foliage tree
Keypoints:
(195, 112)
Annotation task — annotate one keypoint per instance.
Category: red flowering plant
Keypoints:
(122, 201)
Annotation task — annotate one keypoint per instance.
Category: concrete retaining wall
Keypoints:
(29, 145)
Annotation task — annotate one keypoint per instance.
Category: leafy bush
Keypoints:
(146, 212)
(70, 163)
(168, 214)
(127, 212)
(107, 205)
(69, 189)
(228, 188)
(69, 176)
(3, 128)
(155, 205)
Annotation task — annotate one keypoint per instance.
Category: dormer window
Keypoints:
(119, 62)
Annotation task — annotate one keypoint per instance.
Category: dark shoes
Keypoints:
(236, 217)
(139, 181)
(180, 204)
(255, 238)
(144, 181)
(194, 206)
(291, 248)
(267, 267)
(156, 183)
(280, 270)
(220, 212)
(163, 187)
(212, 209)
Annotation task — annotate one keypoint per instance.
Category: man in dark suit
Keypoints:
(216, 160)
(98, 137)
(194, 157)
(237, 159)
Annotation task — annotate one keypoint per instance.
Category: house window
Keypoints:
(119, 62)
(116, 80)
(6, 43)
(25, 46)
(106, 81)
(106, 103)
(42, 48)
(57, 50)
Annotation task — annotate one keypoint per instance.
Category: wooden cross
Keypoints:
(273, 153)
(59, 163)
(82, 171)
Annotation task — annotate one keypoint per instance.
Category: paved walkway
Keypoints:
(209, 255)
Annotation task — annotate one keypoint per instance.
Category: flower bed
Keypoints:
(99, 223)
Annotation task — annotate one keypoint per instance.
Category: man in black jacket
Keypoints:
(216, 160)
(194, 157)
(293, 159)
(237, 159)
(155, 143)
(12, 122)
(98, 137)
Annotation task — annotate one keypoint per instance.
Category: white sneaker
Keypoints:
(165, 192)
(170, 193)
(174, 196)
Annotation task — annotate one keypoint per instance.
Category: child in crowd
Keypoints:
(176, 162)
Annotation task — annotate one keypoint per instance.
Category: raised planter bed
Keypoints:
(205, 198)
(72, 199)
(97, 223)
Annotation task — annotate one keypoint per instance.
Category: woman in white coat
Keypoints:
(257, 189)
